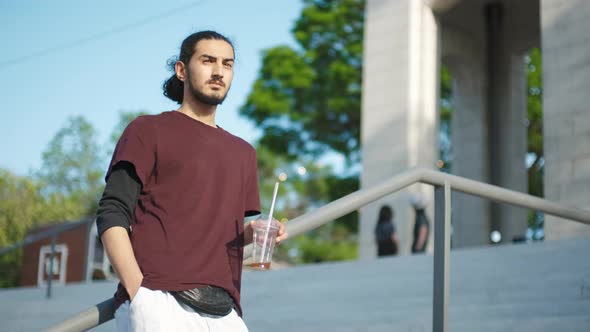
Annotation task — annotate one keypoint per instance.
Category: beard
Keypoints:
(204, 98)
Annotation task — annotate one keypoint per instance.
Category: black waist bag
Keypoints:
(209, 300)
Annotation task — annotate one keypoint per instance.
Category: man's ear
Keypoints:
(180, 70)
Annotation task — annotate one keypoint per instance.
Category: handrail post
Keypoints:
(442, 252)
(50, 273)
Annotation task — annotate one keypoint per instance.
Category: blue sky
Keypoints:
(63, 58)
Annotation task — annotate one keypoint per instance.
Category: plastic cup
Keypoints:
(263, 242)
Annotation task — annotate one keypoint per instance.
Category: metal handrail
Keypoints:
(103, 311)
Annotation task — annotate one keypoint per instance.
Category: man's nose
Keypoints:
(218, 70)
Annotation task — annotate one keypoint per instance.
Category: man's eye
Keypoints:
(228, 65)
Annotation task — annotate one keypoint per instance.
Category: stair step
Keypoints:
(533, 287)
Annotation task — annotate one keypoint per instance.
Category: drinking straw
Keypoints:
(272, 207)
(274, 198)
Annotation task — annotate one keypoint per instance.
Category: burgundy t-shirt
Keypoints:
(198, 182)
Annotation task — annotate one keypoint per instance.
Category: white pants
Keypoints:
(155, 311)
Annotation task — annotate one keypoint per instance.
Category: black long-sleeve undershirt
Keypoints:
(117, 204)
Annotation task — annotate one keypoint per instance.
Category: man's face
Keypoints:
(210, 71)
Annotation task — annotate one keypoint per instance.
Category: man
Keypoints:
(421, 224)
(178, 187)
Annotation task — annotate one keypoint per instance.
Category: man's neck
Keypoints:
(199, 111)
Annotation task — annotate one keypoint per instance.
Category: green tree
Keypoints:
(535, 121)
(535, 154)
(22, 208)
(66, 188)
(71, 165)
(19, 200)
(306, 101)
(446, 112)
(304, 186)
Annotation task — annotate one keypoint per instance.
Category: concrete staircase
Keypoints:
(524, 287)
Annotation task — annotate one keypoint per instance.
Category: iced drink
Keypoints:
(263, 242)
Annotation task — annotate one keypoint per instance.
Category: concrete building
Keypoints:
(483, 43)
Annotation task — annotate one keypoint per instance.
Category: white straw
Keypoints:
(272, 207)
(274, 198)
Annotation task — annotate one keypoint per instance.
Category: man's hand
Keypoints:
(249, 232)
(282, 234)
(133, 288)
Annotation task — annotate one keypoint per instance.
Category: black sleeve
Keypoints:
(117, 205)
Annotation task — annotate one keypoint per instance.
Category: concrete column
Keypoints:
(399, 108)
(511, 148)
(463, 55)
(489, 105)
(506, 114)
(566, 111)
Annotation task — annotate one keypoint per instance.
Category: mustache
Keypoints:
(216, 81)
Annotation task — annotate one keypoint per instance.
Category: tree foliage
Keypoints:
(535, 121)
(303, 187)
(65, 188)
(71, 164)
(22, 208)
(307, 100)
(535, 153)
(446, 112)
